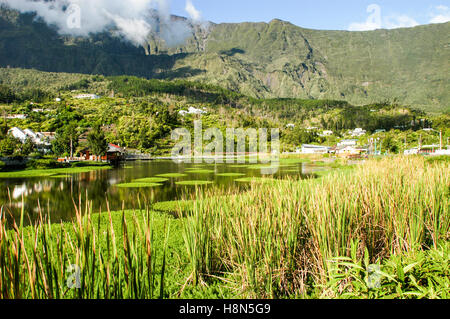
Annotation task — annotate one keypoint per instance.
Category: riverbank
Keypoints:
(283, 239)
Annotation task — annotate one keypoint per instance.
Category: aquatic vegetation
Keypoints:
(151, 180)
(194, 183)
(49, 172)
(230, 174)
(287, 238)
(172, 175)
(138, 185)
(200, 171)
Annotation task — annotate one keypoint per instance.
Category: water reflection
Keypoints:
(58, 194)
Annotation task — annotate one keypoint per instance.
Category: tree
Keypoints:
(66, 140)
(9, 145)
(389, 144)
(97, 141)
(27, 148)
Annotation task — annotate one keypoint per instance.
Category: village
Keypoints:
(350, 148)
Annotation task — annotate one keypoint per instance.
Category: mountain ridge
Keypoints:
(264, 60)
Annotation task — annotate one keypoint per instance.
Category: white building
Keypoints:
(357, 132)
(290, 125)
(347, 143)
(442, 152)
(314, 149)
(413, 151)
(16, 117)
(87, 96)
(18, 133)
(41, 140)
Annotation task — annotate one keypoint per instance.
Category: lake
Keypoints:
(57, 194)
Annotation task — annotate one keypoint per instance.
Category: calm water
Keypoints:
(57, 195)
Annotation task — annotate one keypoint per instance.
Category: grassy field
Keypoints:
(288, 239)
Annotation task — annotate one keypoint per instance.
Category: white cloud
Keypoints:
(375, 21)
(441, 14)
(133, 19)
(194, 14)
(401, 21)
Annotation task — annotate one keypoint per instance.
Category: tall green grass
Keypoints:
(282, 240)
(113, 262)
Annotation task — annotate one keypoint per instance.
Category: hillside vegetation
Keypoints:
(140, 114)
(262, 60)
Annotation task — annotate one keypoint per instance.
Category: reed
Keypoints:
(280, 239)
(88, 258)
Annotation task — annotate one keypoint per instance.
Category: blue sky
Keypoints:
(324, 14)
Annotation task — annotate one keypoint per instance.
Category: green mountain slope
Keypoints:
(264, 60)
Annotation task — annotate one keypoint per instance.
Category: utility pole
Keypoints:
(420, 142)
(71, 147)
(440, 140)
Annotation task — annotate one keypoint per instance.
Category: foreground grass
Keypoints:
(283, 239)
(129, 254)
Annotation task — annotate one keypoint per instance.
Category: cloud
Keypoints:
(375, 21)
(401, 21)
(194, 14)
(135, 20)
(441, 14)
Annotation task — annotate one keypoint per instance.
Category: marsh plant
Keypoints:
(294, 239)
(379, 230)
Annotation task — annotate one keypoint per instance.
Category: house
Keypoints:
(314, 149)
(326, 133)
(442, 152)
(357, 132)
(349, 152)
(290, 125)
(428, 149)
(347, 143)
(18, 133)
(87, 96)
(42, 140)
(412, 151)
(16, 117)
(113, 154)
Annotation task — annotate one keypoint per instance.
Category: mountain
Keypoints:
(264, 60)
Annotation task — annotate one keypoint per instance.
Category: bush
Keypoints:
(43, 163)
(2, 165)
(35, 155)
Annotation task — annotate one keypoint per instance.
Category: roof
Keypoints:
(314, 146)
